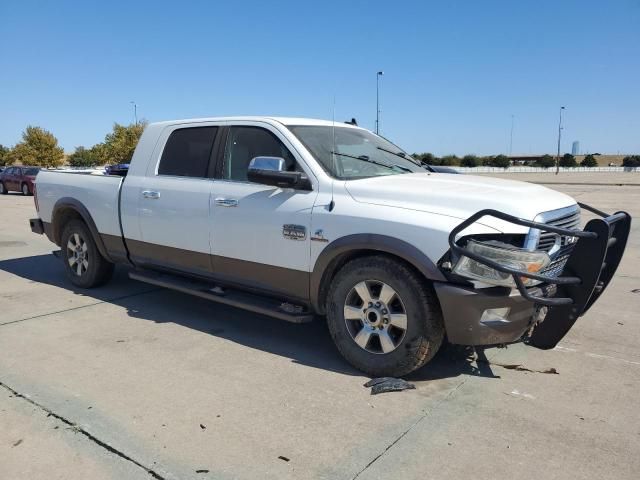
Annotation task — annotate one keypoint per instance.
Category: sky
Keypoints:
(455, 73)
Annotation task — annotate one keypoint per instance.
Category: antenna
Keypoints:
(333, 150)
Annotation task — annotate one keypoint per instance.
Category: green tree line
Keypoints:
(39, 148)
(502, 161)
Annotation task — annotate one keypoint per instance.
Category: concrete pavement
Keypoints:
(147, 383)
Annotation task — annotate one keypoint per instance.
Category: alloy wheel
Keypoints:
(77, 254)
(375, 317)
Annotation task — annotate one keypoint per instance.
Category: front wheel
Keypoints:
(25, 189)
(3, 189)
(84, 265)
(383, 318)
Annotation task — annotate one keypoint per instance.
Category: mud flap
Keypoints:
(594, 261)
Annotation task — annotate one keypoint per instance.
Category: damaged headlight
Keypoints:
(516, 258)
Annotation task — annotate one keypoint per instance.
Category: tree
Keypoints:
(589, 161)
(38, 148)
(428, 158)
(568, 160)
(83, 157)
(4, 155)
(449, 160)
(469, 161)
(501, 161)
(631, 161)
(546, 161)
(119, 145)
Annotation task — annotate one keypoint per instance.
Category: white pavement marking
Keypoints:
(560, 348)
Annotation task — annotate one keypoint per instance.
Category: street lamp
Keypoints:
(559, 137)
(378, 75)
(135, 111)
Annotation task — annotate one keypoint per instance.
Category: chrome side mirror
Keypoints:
(271, 171)
(273, 164)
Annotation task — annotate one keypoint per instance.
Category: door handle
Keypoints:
(226, 202)
(151, 194)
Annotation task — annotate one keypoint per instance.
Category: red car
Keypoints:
(18, 179)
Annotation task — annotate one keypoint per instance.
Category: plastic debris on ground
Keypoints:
(388, 384)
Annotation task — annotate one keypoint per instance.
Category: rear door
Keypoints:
(16, 178)
(173, 201)
(260, 233)
(10, 178)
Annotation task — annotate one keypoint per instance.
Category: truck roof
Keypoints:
(282, 120)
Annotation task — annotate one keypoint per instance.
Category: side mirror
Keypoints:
(270, 171)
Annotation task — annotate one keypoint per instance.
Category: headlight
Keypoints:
(516, 258)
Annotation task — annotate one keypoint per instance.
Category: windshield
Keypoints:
(31, 172)
(355, 153)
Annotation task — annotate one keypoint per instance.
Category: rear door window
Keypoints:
(188, 152)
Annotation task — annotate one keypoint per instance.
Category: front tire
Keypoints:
(84, 265)
(3, 189)
(383, 318)
(25, 189)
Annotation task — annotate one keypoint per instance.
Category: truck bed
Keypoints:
(99, 193)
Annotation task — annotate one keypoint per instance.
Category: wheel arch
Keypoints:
(67, 209)
(344, 249)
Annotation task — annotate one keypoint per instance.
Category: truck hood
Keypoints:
(458, 196)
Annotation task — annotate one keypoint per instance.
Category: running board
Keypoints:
(234, 298)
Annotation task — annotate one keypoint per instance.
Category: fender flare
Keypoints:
(77, 206)
(328, 259)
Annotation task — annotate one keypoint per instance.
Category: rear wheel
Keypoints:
(25, 189)
(383, 318)
(84, 265)
(3, 189)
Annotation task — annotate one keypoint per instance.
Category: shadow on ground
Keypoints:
(48, 269)
(307, 344)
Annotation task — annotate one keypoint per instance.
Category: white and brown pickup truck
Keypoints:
(297, 218)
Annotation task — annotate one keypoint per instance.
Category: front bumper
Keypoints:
(463, 309)
(586, 274)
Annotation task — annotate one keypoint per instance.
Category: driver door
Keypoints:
(252, 225)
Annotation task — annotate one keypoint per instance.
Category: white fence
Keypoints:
(519, 169)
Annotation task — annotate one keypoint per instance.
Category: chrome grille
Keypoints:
(549, 239)
(558, 247)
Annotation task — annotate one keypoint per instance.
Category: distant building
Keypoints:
(575, 148)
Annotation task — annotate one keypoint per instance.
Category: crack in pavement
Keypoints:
(79, 429)
(108, 300)
(411, 427)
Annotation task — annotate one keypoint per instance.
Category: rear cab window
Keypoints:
(188, 152)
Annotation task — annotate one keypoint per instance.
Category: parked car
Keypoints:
(440, 169)
(295, 218)
(120, 169)
(18, 179)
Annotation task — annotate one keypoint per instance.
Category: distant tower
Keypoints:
(575, 148)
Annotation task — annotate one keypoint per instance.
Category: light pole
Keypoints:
(511, 137)
(135, 111)
(378, 75)
(559, 137)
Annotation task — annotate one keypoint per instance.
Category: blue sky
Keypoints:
(455, 71)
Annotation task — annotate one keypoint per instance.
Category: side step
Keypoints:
(234, 298)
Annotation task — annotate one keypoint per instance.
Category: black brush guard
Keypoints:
(587, 272)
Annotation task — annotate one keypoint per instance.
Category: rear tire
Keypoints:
(394, 331)
(84, 265)
(3, 189)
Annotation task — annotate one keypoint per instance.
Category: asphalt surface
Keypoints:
(130, 381)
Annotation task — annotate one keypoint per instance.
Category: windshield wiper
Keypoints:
(365, 158)
(399, 154)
